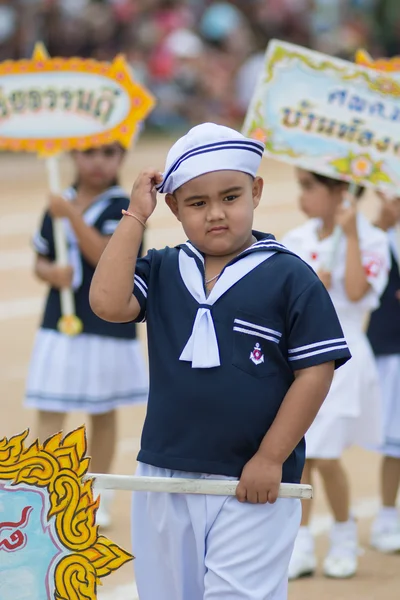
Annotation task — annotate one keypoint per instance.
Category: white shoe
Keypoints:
(303, 562)
(340, 566)
(342, 559)
(103, 514)
(386, 540)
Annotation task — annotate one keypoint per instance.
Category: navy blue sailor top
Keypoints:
(275, 319)
(384, 326)
(104, 215)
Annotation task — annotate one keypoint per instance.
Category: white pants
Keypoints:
(195, 547)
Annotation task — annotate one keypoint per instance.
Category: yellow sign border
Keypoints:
(59, 466)
(388, 65)
(141, 101)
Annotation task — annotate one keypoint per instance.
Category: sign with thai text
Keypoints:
(49, 105)
(328, 115)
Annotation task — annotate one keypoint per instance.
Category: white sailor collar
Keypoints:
(264, 241)
(201, 348)
(90, 216)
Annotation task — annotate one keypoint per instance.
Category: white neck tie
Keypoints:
(202, 347)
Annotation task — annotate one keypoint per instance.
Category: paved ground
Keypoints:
(23, 197)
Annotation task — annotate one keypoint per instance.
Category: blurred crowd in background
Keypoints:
(199, 57)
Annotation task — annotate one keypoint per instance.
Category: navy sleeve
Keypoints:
(43, 240)
(108, 221)
(141, 283)
(315, 334)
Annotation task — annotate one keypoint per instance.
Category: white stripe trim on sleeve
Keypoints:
(316, 345)
(109, 226)
(141, 288)
(40, 244)
(331, 349)
(256, 333)
(141, 280)
(254, 326)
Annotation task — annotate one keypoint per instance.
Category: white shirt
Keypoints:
(375, 257)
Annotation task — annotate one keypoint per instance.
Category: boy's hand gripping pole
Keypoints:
(171, 485)
(69, 323)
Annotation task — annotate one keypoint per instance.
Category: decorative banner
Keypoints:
(328, 115)
(392, 66)
(387, 65)
(49, 543)
(50, 105)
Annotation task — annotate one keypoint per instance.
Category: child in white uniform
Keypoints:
(103, 367)
(232, 389)
(384, 336)
(351, 412)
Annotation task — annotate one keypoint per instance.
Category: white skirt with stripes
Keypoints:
(87, 373)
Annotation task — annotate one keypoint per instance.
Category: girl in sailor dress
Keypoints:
(384, 336)
(351, 412)
(102, 367)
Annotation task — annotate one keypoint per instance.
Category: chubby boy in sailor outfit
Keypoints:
(243, 341)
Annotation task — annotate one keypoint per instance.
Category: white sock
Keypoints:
(387, 517)
(304, 531)
(346, 530)
(305, 539)
(344, 538)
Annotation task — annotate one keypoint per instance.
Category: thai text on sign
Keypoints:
(328, 115)
(48, 105)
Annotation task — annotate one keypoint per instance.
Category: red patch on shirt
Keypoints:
(314, 256)
(372, 265)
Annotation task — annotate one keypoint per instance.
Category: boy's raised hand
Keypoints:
(144, 194)
(260, 481)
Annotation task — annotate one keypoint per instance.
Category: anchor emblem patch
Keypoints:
(256, 355)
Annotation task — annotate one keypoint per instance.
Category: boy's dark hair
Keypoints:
(331, 183)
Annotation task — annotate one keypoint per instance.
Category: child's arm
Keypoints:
(315, 345)
(262, 475)
(91, 242)
(389, 213)
(356, 282)
(56, 276)
(112, 285)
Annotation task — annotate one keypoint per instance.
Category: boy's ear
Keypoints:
(172, 202)
(258, 185)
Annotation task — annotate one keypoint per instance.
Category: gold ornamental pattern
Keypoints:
(59, 467)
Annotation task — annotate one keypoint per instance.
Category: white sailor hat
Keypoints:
(206, 148)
